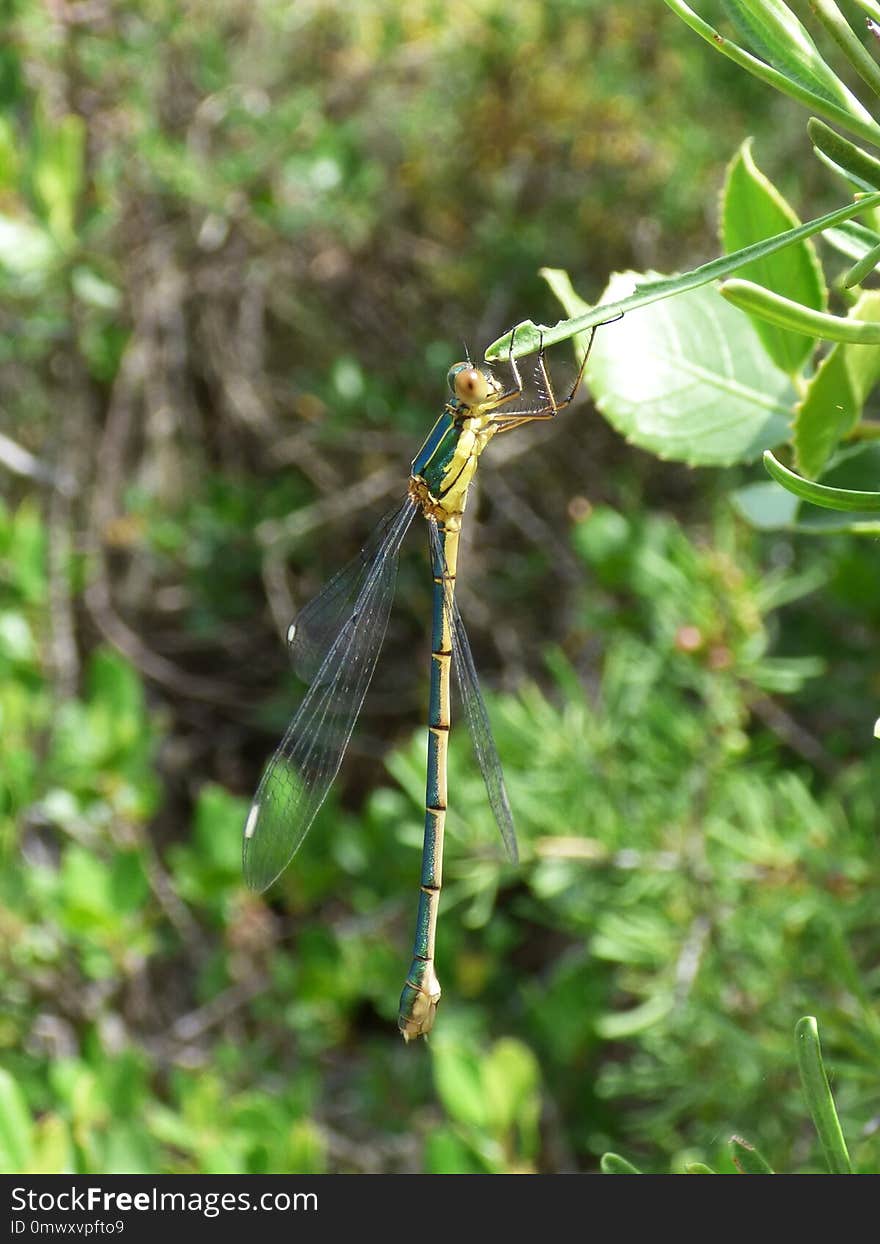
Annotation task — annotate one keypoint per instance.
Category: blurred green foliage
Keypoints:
(238, 244)
(682, 893)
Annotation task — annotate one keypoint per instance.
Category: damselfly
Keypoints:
(335, 644)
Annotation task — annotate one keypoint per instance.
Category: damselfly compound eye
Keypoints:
(469, 384)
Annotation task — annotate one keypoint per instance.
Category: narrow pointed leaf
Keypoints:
(862, 267)
(843, 35)
(818, 1095)
(769, 508)
(747, 1159)
(527, 337)
(852, 239)
(852, 117)
(793, 315)
(777, 35)
(862, 167)
(846, 499)
(849, 179)
(614, 1164)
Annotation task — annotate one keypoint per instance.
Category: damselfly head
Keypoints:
(470, 384)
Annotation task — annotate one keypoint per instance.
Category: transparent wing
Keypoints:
(317, 626)
(476, 712)
(297, 778)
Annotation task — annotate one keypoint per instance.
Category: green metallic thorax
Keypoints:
(443, 468)
(434, 459)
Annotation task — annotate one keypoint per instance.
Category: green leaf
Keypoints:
(836, 393)
(857, 164)
(698, 1168)
(753, 503)
(27, 554)
(850, 45)
(765, 506)
(753, 209)
(85, 887)
(770, 508)
(689, 381)
(622, 1025)
(129, 886)
(759, 301)
(852, 116)
(57, 171)
(776, 34)
(26, 250)
(217, 828)
(114, 685)
(126, 1149)
(528, 337)
(747, 1159)
(871, 7)
(306, 1148)
(53, 1150)
(511, 1075)
(15, 1126)
(818, 1094)
(511, 1080)
(852, 239)
(16, 639)
(9, 155)
(92, 289)
(863, 267)
(614, 1164)
(849, 179)
(845, 499)
(447, 1154)
(459, 1083)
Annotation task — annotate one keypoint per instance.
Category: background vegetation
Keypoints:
(239, 246)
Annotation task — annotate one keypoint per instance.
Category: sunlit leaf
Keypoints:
(836, 393)
(752, 209)
(688, 380)
(777, 35)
